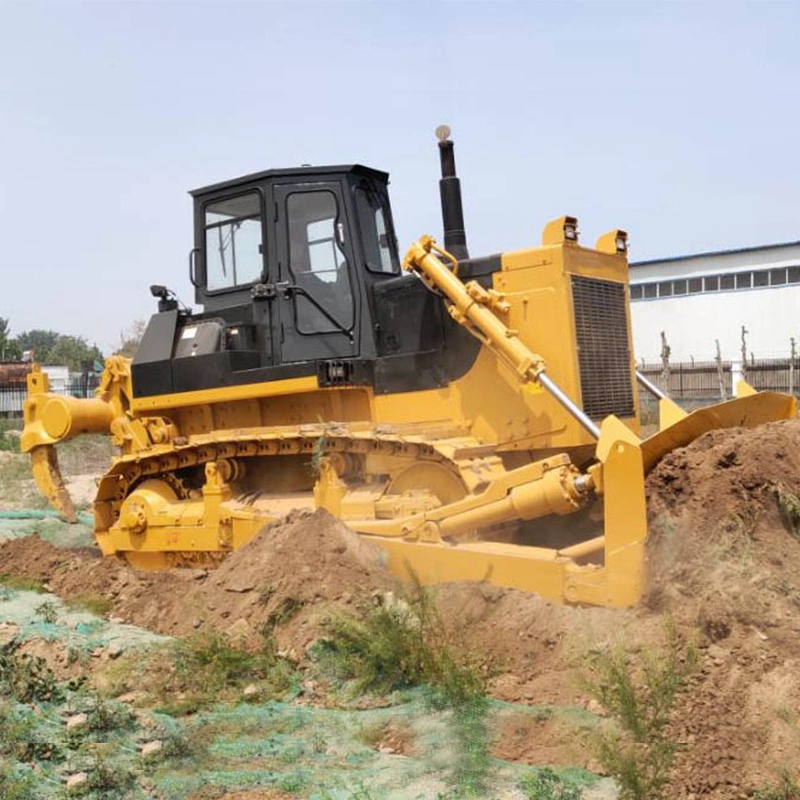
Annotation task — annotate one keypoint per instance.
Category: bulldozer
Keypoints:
(477, 418)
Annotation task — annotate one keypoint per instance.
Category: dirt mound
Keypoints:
(724, 562)
(287, 580)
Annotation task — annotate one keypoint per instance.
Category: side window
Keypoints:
(376, 233)
(317, 262)
(234, 242)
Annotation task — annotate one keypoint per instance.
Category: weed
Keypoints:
(789, 505)
(185, 676)
(15, 787)
(639, 753)
(292, 783)
(547, 785)
(111, 782)
(25, 678)
(179, 746)
(47, 611)
(785, 789)
(288, 608)
(18, 583)
(9, 437)
(107, 716)
(93, 603)
(20, 739)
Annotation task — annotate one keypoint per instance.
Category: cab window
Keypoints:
(380, 251)
(234, 241)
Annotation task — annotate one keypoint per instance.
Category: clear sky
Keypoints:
(676, 121)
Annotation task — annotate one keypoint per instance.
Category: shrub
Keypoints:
(25, 678)
(640, 697)
(545, 784)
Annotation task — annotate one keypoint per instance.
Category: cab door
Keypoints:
(317, 289)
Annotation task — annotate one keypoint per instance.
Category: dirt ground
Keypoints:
(723, 567)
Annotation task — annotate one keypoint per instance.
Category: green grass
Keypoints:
(93, 603)
(19, 583)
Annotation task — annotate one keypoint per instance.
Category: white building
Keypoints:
(697, 299)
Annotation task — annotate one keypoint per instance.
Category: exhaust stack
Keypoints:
(455, 237)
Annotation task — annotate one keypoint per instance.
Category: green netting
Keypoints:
(49, 527)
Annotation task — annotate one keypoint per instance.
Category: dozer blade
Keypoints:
(46, 473)
(747, 412)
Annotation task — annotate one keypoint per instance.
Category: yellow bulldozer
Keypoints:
(478, 418)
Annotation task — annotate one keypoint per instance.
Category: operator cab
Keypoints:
(298, 274)
(300, 250)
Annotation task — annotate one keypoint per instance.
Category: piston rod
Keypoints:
(651, 387)
(577, 412)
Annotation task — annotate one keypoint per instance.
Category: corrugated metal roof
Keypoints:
(713, 253)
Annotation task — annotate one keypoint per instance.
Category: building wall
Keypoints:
(770, 313)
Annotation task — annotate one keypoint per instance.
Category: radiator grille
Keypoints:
(603, 354)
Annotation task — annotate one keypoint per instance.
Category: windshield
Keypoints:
(233, 241)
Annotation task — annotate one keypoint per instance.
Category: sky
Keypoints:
(677, 122)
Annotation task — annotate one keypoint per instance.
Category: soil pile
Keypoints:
(286, 581)
(724, 563)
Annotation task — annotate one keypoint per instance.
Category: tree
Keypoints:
(75, 352)
(42, 342)
(9, 351)
(52, 347)
(130, 338)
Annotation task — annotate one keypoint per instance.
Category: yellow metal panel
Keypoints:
(224, 394)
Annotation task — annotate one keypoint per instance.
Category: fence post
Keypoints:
(665, 351)
(744, 353)
(792, 357)
(720, 371)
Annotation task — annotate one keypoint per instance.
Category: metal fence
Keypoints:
(705, 379)
(14, 393)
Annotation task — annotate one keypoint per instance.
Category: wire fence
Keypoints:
(14, 393)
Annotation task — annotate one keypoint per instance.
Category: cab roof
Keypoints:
(294, 172)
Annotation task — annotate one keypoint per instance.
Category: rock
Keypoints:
(241, 588)
(76, 721)
(115, 650)
(717, 653)
(78, 780)
(250, 691)
(116, 620)
(197, 623)
(596, 767)
(594, 707)
(129, 697)
(152, 748)
(386, 750)
(8, 632)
